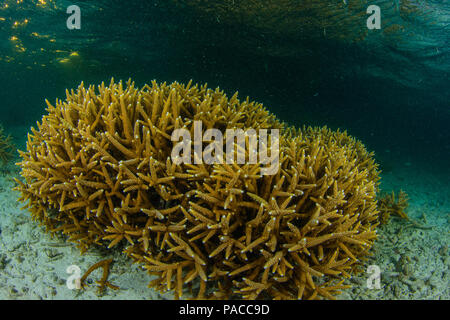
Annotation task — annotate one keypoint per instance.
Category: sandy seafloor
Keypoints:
(413, 258)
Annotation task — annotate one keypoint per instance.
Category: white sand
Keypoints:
(414, 262)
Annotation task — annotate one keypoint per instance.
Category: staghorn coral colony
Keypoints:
(98, 169)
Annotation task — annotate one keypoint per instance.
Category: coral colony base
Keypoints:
(98, 169)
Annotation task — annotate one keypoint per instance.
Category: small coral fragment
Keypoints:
(103, 282)
(6, 147)
(390, 204)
